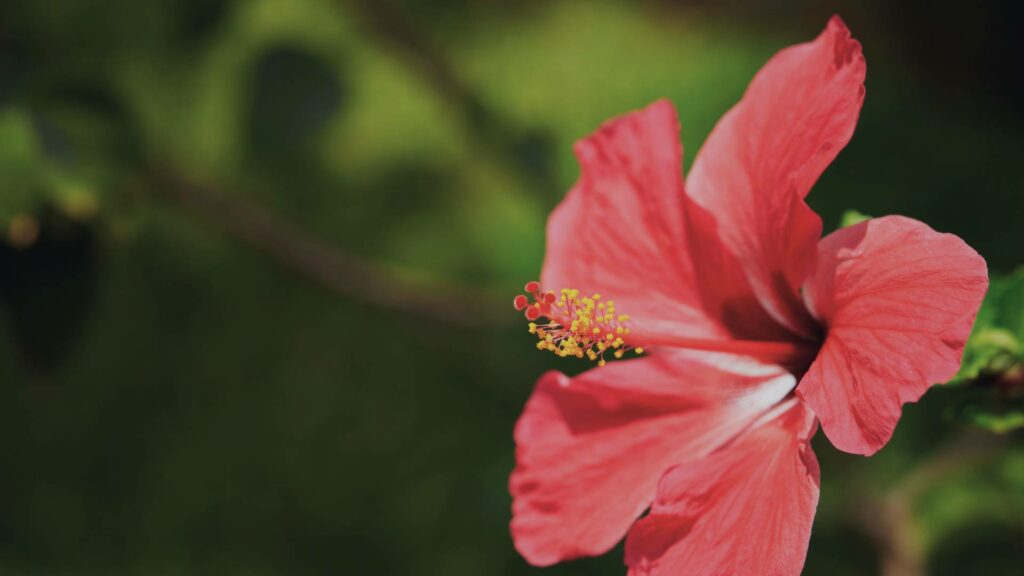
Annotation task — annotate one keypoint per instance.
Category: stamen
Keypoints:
(580, 327)
(589, 327)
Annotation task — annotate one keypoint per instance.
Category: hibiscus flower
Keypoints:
(752, 329)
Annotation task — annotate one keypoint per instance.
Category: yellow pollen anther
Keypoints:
(573, 326)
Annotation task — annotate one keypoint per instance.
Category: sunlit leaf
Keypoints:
(851, 217)
(997, 340)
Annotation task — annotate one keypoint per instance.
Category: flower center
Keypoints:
(577, 326)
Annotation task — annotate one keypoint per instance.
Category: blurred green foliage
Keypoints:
(18, 163)
(851, 217)
(174, 401)
(993, 364)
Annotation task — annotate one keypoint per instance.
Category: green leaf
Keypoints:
(851, 217)
(996, 343)
(19, 164)
(993, 362)
(1009, 313)
(89, 150)
(998, 423)
(989, 349)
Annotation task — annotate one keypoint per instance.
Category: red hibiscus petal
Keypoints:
(590, 449)
(899, 300)
(620, 232)
(748, 182)
(745, 509)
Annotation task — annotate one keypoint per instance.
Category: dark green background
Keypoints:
(175, 398)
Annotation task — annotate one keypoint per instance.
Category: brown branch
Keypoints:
(890, 521)
(374, 283)
(382, 285)
(495, 140)
(391, 27)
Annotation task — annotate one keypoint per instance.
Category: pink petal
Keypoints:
(590, 449)
(749, 180)
(746, 509)
(619, 232)
(899, 300)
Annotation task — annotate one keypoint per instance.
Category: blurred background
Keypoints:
(258, 260)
